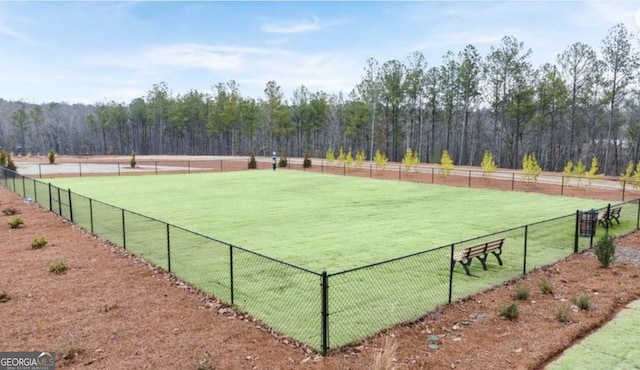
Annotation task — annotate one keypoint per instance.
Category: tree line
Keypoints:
(586, 104)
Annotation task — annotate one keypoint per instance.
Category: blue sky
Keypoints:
(88, 52)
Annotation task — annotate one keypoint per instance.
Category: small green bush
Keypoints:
(38, 243)
(4, 296)
(16, 223)
(252, 162)
(10, 211)
(10, 164)
(522, 292)
(52, 156)
(283, 162)
(306, 163)
(133, 160)
(546, 286)
(3, 158)
(58, 268)
(605, 250)
(563, 313)
(510, 312)
(583, 301)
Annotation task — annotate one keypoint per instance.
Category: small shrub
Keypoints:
(522, 292)
(583, 301)
(252, 162)
(10, 164)
(38, 243)
(605, 250)
(112, 305)
(58, 268)
(510, 312)
(16, 223)
(10, 211)
(4, 296)
(52, 156)
(133, 160)
(306, 163)
(283, 162)
(70, 350)
(3, 158)
(563, 314)
(545, 286)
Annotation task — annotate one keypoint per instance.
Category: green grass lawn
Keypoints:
(615, 346)
(332, 223)
(323, 222)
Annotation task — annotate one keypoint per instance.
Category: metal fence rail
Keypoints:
(321, 310)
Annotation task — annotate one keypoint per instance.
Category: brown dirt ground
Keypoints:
(111, 310)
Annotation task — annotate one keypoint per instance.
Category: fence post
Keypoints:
(231, 272)
(59, 202)
(562, 186)
(513, 180)
(399, 172)
(451, 264)
(168, 250)
(70, 206)
(91, 213)
(370, 170)
(24, 187)
(118, 168)
(39, 170)
(35, 192)
(638, 216)
(344, 169)
(624, 187)
(188, 166)
(80, 168)
(156, 163)
(322, 166)
(221, 165)
(469, 178)
(325, 313)
(432, 171)
(50, 199)
(575, 242)
(124, 232)
(526, 237)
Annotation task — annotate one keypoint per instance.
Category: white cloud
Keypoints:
(7, 30)
(293, 26)
(193, 55)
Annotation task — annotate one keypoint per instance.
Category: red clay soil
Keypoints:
(111, 310)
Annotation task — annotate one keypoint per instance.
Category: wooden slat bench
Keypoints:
(606, 218)
(481, 251)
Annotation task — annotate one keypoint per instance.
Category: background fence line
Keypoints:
(322, 310)
(505, 179)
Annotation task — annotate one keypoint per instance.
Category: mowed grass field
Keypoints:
(323, 222)
(328, 223)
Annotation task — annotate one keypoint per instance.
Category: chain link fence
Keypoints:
(323, 310)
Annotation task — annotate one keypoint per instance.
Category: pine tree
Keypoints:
(446, 163)
(341, 156)
(349, 159)
(380, 159)
(360, 157)
(330, 156)
(407, 160)
(530, 167)
(488, 164)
